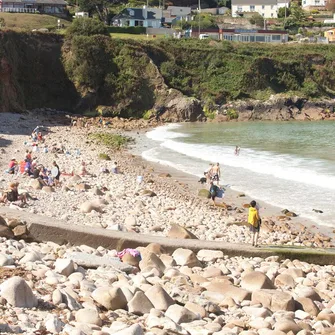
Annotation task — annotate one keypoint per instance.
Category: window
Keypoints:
(252, 38)
(272, 6)
(252, 8)
(271, 14)
(275, 37)
(263, 7)
(239, 9)
(260, 38)
(317, 2)
(263, 14)
(227, 37)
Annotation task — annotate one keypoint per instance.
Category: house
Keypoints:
(313, 4)
(215, 11)
(257, 35)
(33, 6)
(139, 17)
(330, 21)
(243, 35)
(175, 13)
(266, 8)
(330, 35)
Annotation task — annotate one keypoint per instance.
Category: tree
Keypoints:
(86, 27)
(257, 19)
(297, 13)
(281, 12)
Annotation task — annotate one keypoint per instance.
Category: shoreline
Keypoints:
(123, 203)
(232, 196)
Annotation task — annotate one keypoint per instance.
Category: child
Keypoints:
(254, 221)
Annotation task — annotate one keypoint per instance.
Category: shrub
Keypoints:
(148, 114)
(232, 114)
(104, 157)
(127, 30)
(86, 27)
(112, 141)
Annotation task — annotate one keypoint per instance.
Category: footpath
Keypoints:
(43, 229)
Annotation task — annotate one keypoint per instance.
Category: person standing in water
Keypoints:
(237, 150)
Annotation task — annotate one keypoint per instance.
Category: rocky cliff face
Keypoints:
(278, 109)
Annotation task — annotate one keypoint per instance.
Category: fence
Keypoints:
(18, 10)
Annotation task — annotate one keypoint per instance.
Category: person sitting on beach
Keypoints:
(12, 167)
(27, 167)
(115, 168)
(50, 181)
(12, 194)
(255, 222)
(58, 174)
(213, 190)
(28, 155)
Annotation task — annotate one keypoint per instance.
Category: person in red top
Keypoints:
(12, 166)
(39, 137)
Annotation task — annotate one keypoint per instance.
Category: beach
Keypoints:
(47, 288)
(120, 203)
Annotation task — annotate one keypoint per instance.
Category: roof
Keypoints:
(138, 14)
(255, 31)
(254, 2)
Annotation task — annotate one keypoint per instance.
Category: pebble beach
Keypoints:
(51, 288)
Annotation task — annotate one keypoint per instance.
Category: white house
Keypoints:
(176, 13)
(310, 4)
(266, 8)
(139, 17)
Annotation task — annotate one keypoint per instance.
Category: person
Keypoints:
(208, 172)
(58, 174)
(216, 173)
(28, 155)
(12, 166)
(237, 150)
(39, 137)
(83, 170)
(255, 222)
(12, 195)
(213, 190)
(28, 167)
(115, 168)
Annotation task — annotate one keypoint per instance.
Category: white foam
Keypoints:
(165, 132)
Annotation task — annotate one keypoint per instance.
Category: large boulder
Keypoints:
(307, 305)
(6, 232)
(110, 298)
(287, 326)
(307, 292)
(151, 261)
(90, 316)
(274, 300)
(177, 231)
(209, 255)
(284, 280)
(180, 314)
(256, 280)
(159, 297)
(64, 266)
(18, 293)
(229, 291)
(294, 272)
(140, 304)
(185, 257)
(182, 108)
(89, 206)
(35, 184)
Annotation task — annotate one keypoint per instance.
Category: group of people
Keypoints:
(213, 173)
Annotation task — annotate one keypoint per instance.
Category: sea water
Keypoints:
(286, 164)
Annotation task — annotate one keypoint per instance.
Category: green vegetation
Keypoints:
(86, 27)
(104, 157)
(129, 78)
(31, 21)
(232, 114)
(112, 141)
(127, 30)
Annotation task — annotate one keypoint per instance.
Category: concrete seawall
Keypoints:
(43, 228)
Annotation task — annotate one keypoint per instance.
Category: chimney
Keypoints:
(145, 13)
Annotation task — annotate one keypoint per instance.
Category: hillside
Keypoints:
(131, 77)
(31, 21)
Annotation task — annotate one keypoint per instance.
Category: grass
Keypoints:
(112, 141)
(31, 21)
(136, 36)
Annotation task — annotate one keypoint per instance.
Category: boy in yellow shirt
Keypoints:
(254, 221)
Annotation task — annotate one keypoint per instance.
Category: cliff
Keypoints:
(174, 79)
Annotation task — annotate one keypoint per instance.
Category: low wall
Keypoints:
(48, 229)
(160, 31)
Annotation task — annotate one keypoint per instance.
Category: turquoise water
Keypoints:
(286, 164)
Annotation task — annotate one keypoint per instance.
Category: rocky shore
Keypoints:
(46, 288)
